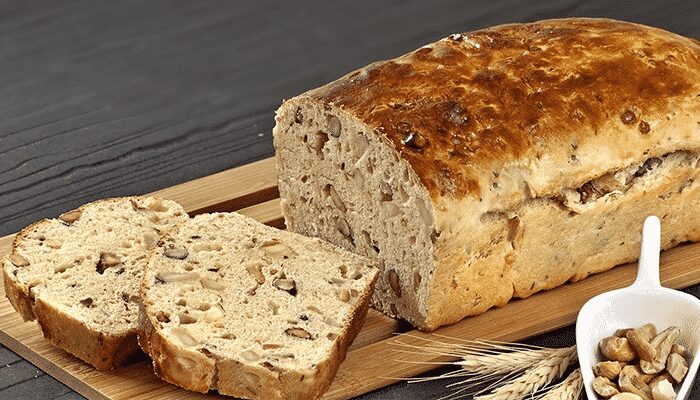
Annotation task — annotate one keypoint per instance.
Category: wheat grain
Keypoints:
(480, 360)
(534, 379)
(569, 389)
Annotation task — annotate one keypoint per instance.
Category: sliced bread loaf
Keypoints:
(249, 310)
(498, 163)
(79, 275)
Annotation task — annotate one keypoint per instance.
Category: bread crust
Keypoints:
(198, 372)
(103, 351)
(487, 100)
(504, 127)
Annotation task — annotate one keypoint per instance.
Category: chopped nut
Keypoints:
(334, 126)
(162, 317)
(185, 318)
(344, 295)
(331, 322)
(212, 284)
(663, 343)
(680, 350)
(184, 337)
(107, 260)
(604, 387)
(628, 117)
(255, 270)
(54, 244)
(641, 345)
(394, 282)
(626, 396)
(149, 241)
(343, 226)
(617, 349)
(663, 391)
(677, 367)
(250, 355)
(169, 277)
(215, 313)
(623, 332)
(513, 224)
(423, 212)
(635, 371)
(157, 206)
(649, 331)
(644, 127)
(177, 253)
(298, 332)
(390, 209)
(70, 216)
(276, 249)
(87, 302)
(335, 198)
(18, 260)
(288, 285)
(631, 380)
(608, 369)
(658, 378)
(298, 116)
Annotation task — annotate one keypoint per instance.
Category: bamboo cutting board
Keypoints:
(373, 361)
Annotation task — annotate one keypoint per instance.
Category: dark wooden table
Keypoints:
(101, 99)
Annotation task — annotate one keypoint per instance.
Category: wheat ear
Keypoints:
(480, 360)
(569, 389)
(536, 378)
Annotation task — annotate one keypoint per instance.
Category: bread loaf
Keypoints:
(498, 163)
(249, 310)
(79, 275)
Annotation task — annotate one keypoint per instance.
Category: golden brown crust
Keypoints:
(187, 369)
(16, 292)
(18, 295)
(471, 103)
(104, 352)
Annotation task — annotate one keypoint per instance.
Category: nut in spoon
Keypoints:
(646, 301)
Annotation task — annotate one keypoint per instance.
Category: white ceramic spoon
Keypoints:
(646, 301)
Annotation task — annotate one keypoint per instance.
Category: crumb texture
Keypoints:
(83, 270)
(252, 306)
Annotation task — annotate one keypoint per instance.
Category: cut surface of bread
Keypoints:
(249, 310)
(79, 275)
(497, 163)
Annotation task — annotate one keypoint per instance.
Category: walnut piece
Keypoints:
(617, 349)
(604, 387)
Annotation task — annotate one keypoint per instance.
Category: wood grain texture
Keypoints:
(103, 99)
(373, 362)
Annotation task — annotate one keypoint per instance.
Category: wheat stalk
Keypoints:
(536, 378)
(480, 360)
(512, 369)
(569, 389)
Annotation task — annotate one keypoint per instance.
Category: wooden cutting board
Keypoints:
(373, 361)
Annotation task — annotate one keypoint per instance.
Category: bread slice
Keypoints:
(249, 310)
(79, 275)
(497, 163)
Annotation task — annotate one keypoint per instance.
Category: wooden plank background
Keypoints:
(103, 99)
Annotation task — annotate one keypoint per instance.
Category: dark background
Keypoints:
(101, 99)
